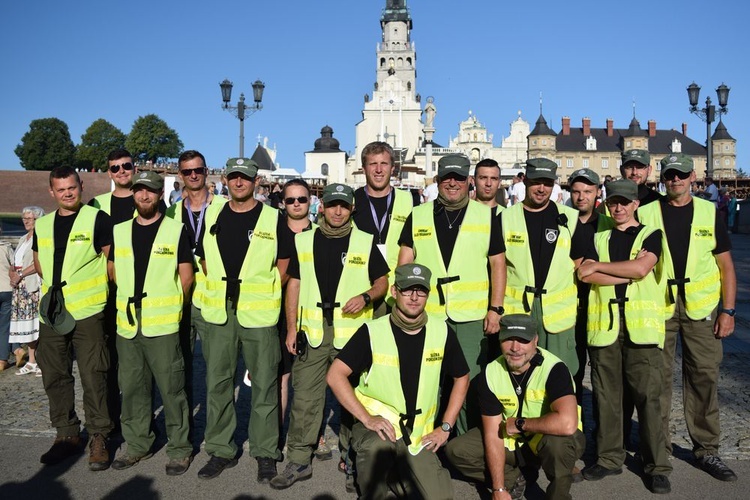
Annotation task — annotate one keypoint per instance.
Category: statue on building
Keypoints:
(430, 110)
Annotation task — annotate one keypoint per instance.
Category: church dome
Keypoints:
(326, 142)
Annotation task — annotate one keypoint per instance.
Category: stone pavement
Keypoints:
(25, 434)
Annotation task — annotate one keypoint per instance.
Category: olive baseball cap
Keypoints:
(541, 168)
(53, 312)
(585, 175)
(623, 188)
(637, 155)
(148, 179)
(244, 166)
(454, 164)
(410, 275)
(680, 162)
(338, 192)
(520, 326)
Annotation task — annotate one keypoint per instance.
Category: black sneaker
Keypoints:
(290, 475)
(266, 469)
(717, 468)
(659, 484)
(597, 472)
(216, 466)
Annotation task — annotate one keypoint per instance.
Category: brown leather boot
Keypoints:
(98, 453)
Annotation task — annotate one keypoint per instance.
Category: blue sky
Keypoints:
(84, 60)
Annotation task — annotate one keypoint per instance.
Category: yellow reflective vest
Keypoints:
(355, 280)
(465, 284)
(380, 390)
(84, 271)
(644, 307)
(402, 207)
(703, 290)
(161, 306)
(259, 301)
(535, 402)
(559, 299)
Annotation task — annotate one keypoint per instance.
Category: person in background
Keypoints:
(6, 300)
(176, 194)
(430, 192)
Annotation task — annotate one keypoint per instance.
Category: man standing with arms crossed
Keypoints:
(70, 255)
(152, 264)
(699, 272)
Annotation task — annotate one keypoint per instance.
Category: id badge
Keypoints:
(383, 251)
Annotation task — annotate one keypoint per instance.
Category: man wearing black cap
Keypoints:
(244, 256)
(380, 209)
(152, 263)
(543, 245)
(625, 337)
(334, 276)
(699, 272)
(455, 237)
(520, 428)
(70, 254)
(399, 360)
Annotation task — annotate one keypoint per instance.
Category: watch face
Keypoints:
(446, 427)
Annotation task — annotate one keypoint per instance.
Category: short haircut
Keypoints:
(375, 148)
(487, 162)
(34, 210)
(63, 173)
(295, 182)
(521, 175)
(190, 154)
(118, 153)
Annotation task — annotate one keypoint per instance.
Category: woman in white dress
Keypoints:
(24, 317)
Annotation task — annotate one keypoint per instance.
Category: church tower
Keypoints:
(393, 114)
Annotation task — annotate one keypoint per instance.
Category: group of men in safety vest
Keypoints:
(396, 308)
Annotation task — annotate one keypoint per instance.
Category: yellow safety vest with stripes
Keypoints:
(559, 301)
(402, 207)
(161, 306)
(703, 291)
(84, 271)
(535, 401)
(355, 280)
(644, 309)
(465, 284)
(380, 390)
(175, 212)
(259, 301)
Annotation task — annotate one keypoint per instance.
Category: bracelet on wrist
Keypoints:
(499, 490)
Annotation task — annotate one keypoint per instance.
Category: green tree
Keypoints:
(741, 174)
(151, 138)
(46, 145)
(96, 143)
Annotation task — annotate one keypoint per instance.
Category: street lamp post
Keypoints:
(241, 110)
(708, 115)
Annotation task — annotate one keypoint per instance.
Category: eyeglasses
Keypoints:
(619, 201)
(187, 172)
(409, 292)
(291, 200)
(636, 166)
(116, 168)
(671, 174)
(28, 218)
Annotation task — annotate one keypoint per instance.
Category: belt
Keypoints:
(135, 301)
(328, 308)
(538, 292)
(234, 298)
(621, 306)
(673, 282)
(406, 423)
(445, 281)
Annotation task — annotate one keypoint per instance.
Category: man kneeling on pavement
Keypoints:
(529, 417)
(399, 359)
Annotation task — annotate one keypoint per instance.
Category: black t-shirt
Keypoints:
(357, 355)
(677, 223)
(192, 219)
(62, 227)
(233, 232)
(447, 225)
(559, 384)
(544, 229)
(362, 215)
(329, 265)
(647, 195)
(584, 288)
(143, 240)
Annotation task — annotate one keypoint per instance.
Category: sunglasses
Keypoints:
(291, 200)
(116, 168)
(671, 174)
(410, 292)
(187, 172)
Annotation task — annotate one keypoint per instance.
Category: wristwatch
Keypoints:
(520, 422)
(730, 312)
(498, 309)
(446, 427)
(367, 298)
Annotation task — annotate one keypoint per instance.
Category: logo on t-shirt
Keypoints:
(551, 235)
(249, 235)
(343, 258)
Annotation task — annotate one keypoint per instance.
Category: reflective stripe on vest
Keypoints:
(84, 271)
(161, 307)
(402, 207)
(380, 390)
(355, 279)
(535, 402)
(644, 309)
(703, 291)
(466, 286)
(259, 301)
(560, 298)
